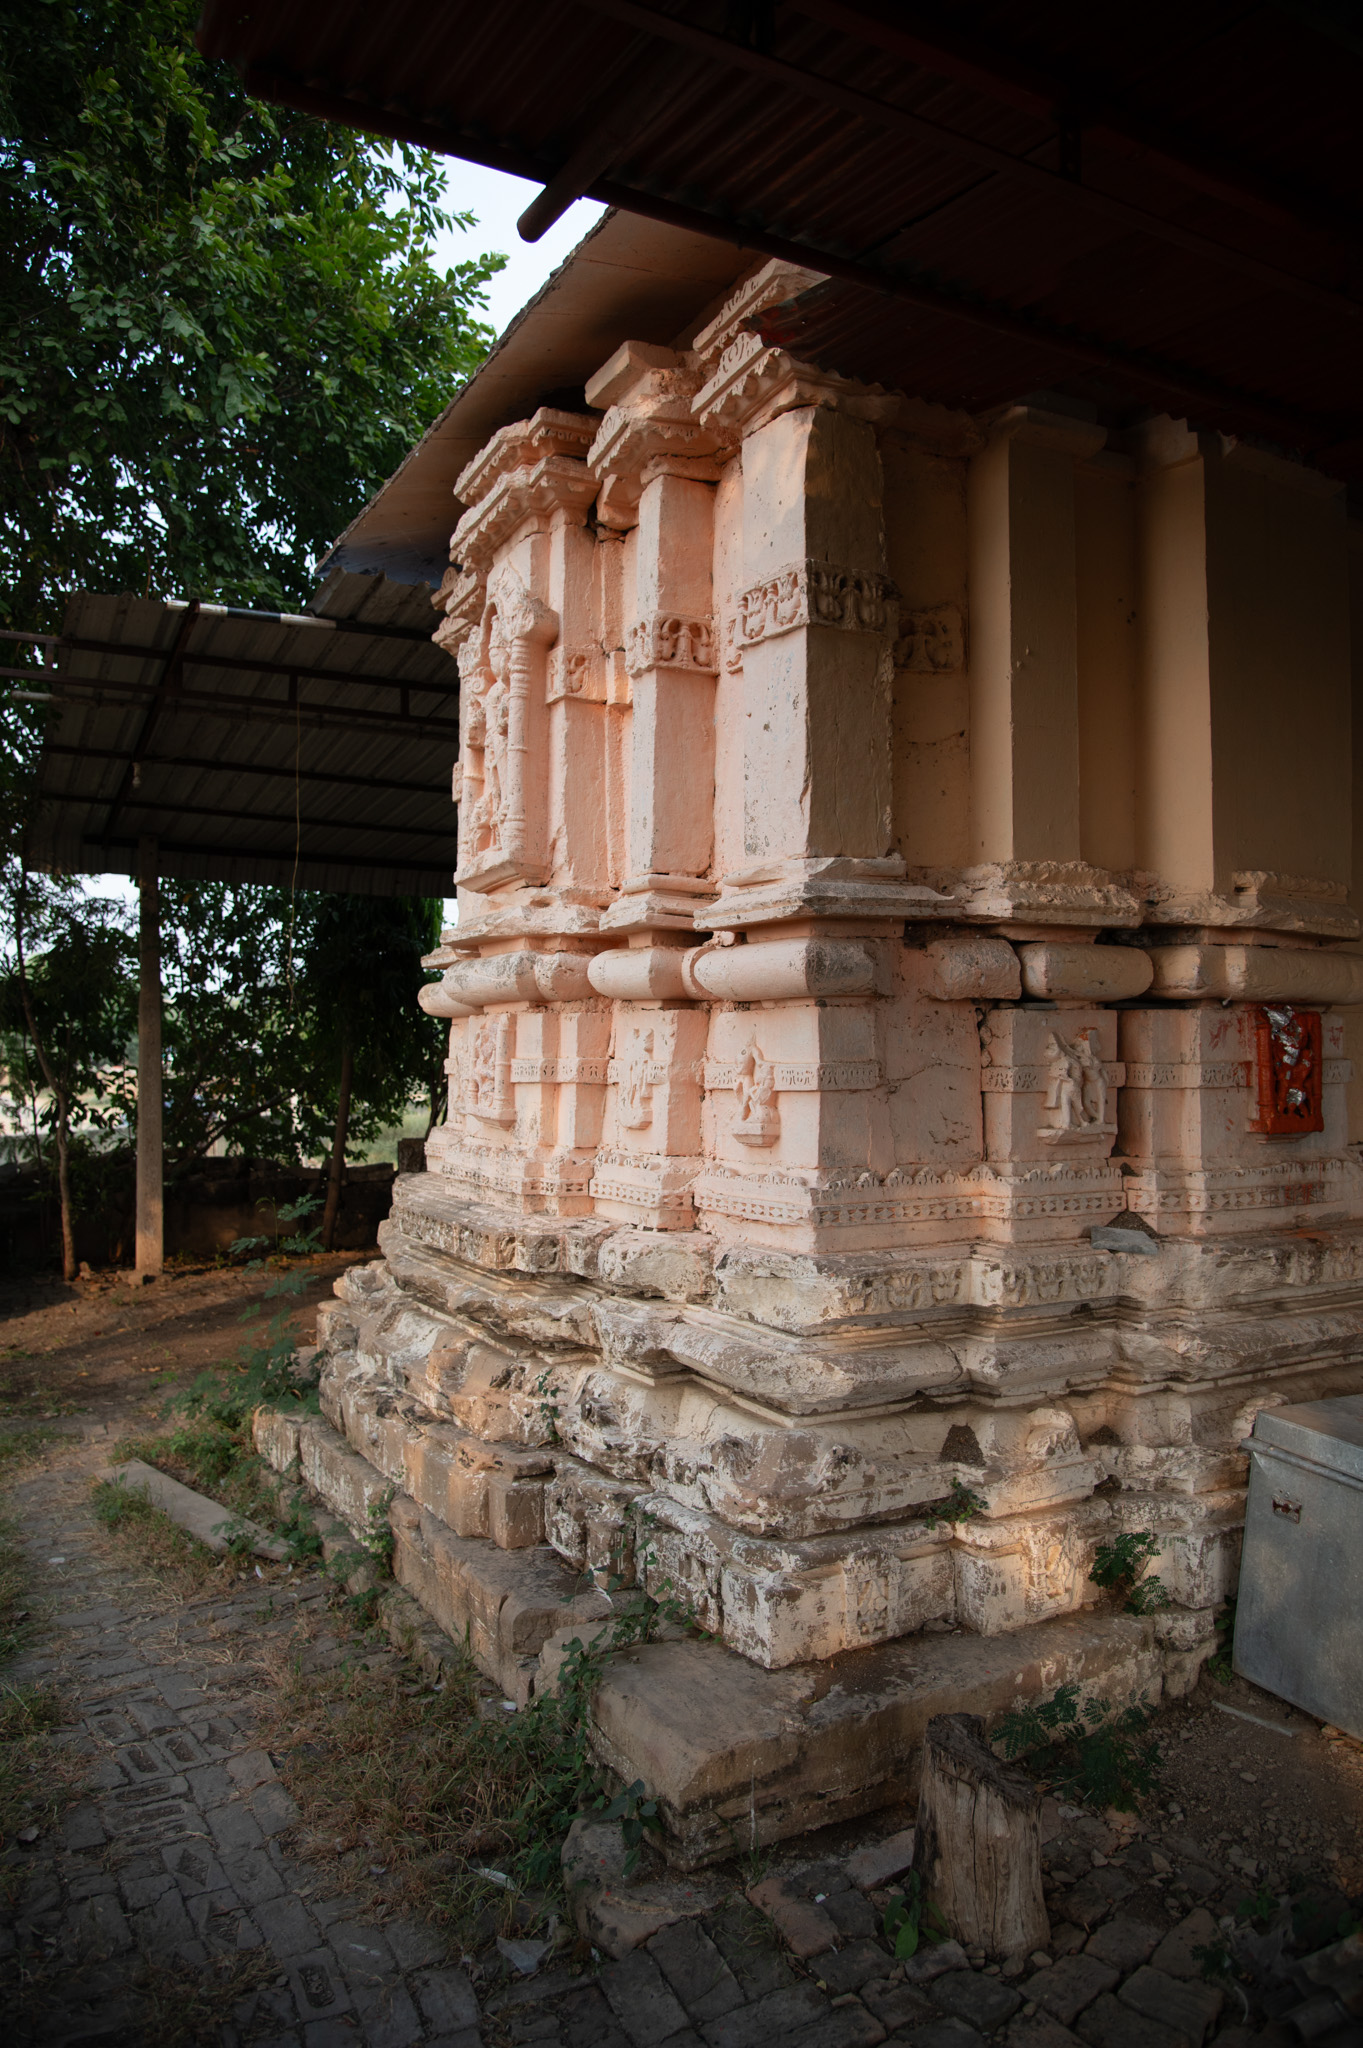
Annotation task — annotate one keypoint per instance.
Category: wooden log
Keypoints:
(978, 1850)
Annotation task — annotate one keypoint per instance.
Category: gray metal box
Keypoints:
(1299, 1618)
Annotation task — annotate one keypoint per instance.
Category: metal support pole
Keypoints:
(150, 1079)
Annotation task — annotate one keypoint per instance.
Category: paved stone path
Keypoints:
(171, 1868)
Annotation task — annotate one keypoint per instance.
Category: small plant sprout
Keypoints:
(1101, 1758)
(910, 1920)
(1119, 1568)
(962, 1504)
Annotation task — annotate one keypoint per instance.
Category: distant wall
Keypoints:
(218, 1202)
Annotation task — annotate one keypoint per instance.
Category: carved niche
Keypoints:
(502, 743)
(1289, 1071)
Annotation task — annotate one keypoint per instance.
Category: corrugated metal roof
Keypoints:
(1155, 208)
(627, 278)
(254, 747)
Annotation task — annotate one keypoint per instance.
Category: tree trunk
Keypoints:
(64, 1190)
(337, 1167)
(57, 1091)
(979, 1841)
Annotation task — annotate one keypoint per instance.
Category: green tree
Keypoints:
(68, 1012)
(362, 969)
(219, 325)
(265, 996)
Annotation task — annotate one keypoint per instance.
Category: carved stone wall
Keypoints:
(764, 1209)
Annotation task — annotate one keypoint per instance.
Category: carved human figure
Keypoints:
(482, 1067)
(636, 1086)
(1078, 1086)
(758, 1121)
(492, 803)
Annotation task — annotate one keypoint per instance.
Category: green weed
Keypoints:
(962, 1504)
(1119, 1568)
(911, 1919)
(1102, 1757)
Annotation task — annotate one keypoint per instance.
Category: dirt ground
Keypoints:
(106, 1344)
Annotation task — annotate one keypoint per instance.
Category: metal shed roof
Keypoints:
(254, 747)
(1155, 207)
(626, 278)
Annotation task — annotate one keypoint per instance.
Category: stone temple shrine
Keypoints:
(897, 1129)
(901, 1128)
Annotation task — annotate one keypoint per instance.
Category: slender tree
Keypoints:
(67, 998)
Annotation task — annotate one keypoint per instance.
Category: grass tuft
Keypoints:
(150, 1541)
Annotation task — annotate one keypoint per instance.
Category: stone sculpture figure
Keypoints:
(1078, 1086)
(636, 1089)
(758, 1121)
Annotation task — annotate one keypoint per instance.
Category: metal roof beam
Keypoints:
(219, 766)
(330, 860)
(252, 665)
(137, 802)
(172, 673)
(407, 725)
(1151, 374)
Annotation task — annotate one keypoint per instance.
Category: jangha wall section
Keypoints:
(892, 844)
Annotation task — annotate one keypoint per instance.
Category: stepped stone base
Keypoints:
(737, 1756)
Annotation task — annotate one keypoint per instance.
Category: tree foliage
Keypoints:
(261, 989)
(258, 988)
(219, 327)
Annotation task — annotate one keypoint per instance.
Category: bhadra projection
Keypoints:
(894, 844)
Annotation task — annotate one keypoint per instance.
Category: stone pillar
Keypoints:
(815, 624)
(1245, 773)
(1024, 677)
(670, 655)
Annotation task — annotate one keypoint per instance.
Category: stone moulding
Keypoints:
(931, 642)
(785, 1493)
(812, 593)
(789, 1077)
(669, 640)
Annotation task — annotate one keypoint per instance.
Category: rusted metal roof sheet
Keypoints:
(313, 750)
(1148, 209)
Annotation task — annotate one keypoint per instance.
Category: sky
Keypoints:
(496, 200)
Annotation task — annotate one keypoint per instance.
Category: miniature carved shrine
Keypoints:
(896, 1131)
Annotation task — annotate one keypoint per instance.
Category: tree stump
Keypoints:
(978, 1850)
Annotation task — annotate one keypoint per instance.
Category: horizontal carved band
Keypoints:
(639, 1194)
(1189, 1074)
(1034, 1080)
(931, 642)
(671, 640)
(593, 1072)
(795, 1078)
(814, 594)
